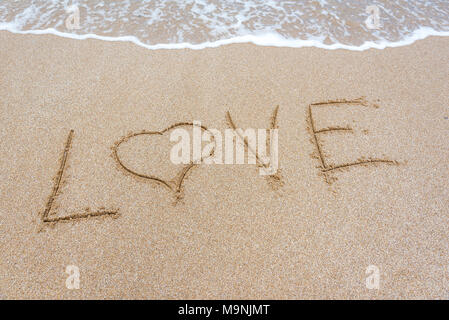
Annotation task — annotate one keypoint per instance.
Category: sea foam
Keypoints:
(199, 24)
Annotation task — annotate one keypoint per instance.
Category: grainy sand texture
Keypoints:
(363, 180)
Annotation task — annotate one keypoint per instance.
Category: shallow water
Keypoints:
(197, 24)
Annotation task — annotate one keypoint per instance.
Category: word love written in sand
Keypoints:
(174, 183)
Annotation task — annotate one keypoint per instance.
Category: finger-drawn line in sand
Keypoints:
(174, 185)
(329, 129)
(56, 190)
(276, 178)
(359, 101)
(325, 168)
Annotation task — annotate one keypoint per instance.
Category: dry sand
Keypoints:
(232, 235)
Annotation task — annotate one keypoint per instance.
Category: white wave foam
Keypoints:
(199, 24)
(267, 39)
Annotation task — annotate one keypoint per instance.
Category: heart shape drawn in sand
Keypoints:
(174, 183)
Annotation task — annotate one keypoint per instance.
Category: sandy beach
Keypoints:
(233, 234)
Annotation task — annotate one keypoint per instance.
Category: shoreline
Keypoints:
(267, 40)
